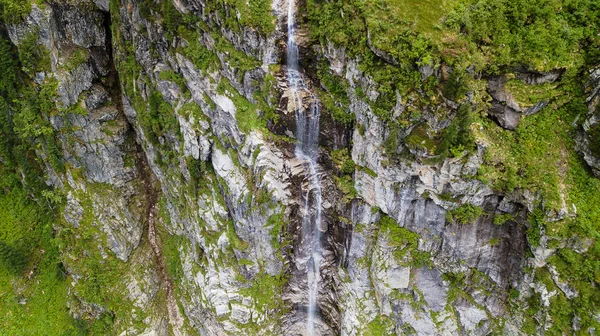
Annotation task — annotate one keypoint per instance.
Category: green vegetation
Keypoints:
(541, 34)
(465, 214)
(277, 224)
(77, 58)
(13, 11)
(197, 52)
(159, 119)
(253, 13)
(266, 290)
(32, 56)
(404, 242)
(246, 112)
(503, 218)
(33, 285)
(528, 95)
(171, 16)
(33, 282)
(177, 79)
(381, 325)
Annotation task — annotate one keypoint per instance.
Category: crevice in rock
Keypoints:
(149, 185)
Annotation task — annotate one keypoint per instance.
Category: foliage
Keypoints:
(171, 16)
(277, 224)
(77, 58)
(343, 162)
(197, 52)
(404, 242)
(177, 79)
(537, 220)
(264, 289)
(502, 218)
(32, 282)
(458, 134)
(32, 56)
(247, 113)
(380, 325)
(465, 214)
(13, 11)
(159, 119)
(237, 14)
(541, 34)
(528, 95)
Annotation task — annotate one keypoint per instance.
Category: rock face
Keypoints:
(588, 140)
(188, 122)
(505, 109)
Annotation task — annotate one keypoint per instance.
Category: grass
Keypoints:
(424, 16)
(381, 325)
(246, 112)
(528, 95)
(404, 242)
(33, 300)
(266, 290)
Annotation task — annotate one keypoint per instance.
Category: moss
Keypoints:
(536, 220)
(528, 95)
(420, 138)
(266, 290)
(202, 58)
(171, 245)
(404, 242)
(381, 325)
(77, 58)
(177, 79)
(236, 242)
(246, 112)
(502, 218)
(495, 241)
(369, 171)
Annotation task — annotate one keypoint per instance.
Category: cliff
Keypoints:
(458, 168)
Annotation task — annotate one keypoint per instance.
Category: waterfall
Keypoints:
(307, 136)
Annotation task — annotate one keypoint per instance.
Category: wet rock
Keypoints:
(587, 139)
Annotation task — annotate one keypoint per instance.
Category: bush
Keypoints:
(503, 218)
(541, 34)
(171, 16)
(13, 11)
(12, 258)
(464, 214)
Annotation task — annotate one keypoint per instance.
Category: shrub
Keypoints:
(501, 219)
(464, 214)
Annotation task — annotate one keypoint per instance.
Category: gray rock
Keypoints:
(430, 283)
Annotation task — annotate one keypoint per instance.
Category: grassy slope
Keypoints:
(41, 283)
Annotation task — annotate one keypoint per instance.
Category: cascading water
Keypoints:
(307, 135)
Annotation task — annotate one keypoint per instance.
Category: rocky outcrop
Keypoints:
(505, 109)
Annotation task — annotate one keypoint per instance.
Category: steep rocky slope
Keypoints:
(455, 200)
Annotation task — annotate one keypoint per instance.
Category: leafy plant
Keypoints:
(465, 214)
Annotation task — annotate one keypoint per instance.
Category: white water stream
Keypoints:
(307, 135)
